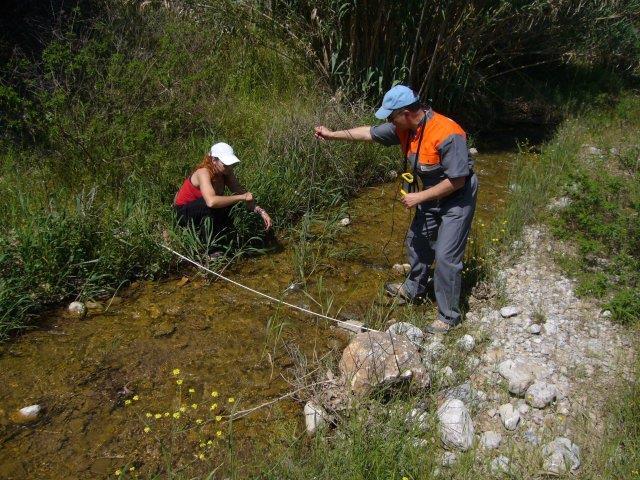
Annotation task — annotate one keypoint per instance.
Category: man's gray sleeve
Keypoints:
(385, 134)
(454, 156)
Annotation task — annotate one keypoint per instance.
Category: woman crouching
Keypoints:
(201, 195)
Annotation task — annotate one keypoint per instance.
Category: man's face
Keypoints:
(399, 118)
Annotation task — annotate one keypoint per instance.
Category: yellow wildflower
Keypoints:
(176, 371)
(209, 442)
(201, 456)
(131, 469)
(231, 400)
(179, 382)
(118, 472)
(147, 429)
(127, 402)
(202, 445)
(191, 390)
(199, 421)
(136, 398)
(214, 394)
(176, 415)
(148, 415)
(157, 416)
(219, 433)
(194, 405)
(213, 406)
(218, 418)
(166, 414)
(183, 409)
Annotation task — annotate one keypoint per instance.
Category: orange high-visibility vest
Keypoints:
(436, 129)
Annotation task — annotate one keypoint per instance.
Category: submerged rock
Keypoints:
(77, 308)
(163, 329)
(456, 427)
(377, 359)
(27, 414)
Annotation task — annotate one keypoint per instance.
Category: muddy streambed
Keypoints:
(99, 378)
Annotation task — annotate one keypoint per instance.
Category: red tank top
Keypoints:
(188, 193)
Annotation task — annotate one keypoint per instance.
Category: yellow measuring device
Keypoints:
(407, 179)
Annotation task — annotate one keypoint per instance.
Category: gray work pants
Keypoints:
(439, 232)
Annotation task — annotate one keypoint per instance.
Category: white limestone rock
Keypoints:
(466, 343)
(456, 426)
(510, 416)
(490, 440)
(541, 394)
(535, 329)
(518, 374)
(346, 221)
(561, 455)
(401, 268)
(413, 333)
(510, 311)
(77, 308)
(314, 417)
(449, 459)
(500, 465)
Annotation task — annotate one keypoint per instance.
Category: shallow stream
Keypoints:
(98, 377)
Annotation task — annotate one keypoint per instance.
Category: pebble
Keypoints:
(466, 343)
(517, 374)
(27, 414)
(500, 465)
(456, 426)
(540, 394)
(449, 459)
(510, 417)
(535, 329)
(314, 417)
(560, 455)
(490, 440)
(346, 221)
(531, 437)
(401, 268)
(77, 308)
(413, 333)
(510, 311)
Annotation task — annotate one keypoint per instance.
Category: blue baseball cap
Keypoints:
(397, 97)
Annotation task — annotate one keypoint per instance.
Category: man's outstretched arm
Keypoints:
(362, 134)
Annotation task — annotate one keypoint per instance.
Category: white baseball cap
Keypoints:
(223, 152)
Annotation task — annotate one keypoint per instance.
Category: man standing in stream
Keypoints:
(435, 151)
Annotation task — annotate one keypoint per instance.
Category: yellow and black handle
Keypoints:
(407, 181)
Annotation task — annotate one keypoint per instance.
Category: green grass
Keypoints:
(105, 125)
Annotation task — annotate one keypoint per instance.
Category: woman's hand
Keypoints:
(265, 217)
(248, 197)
